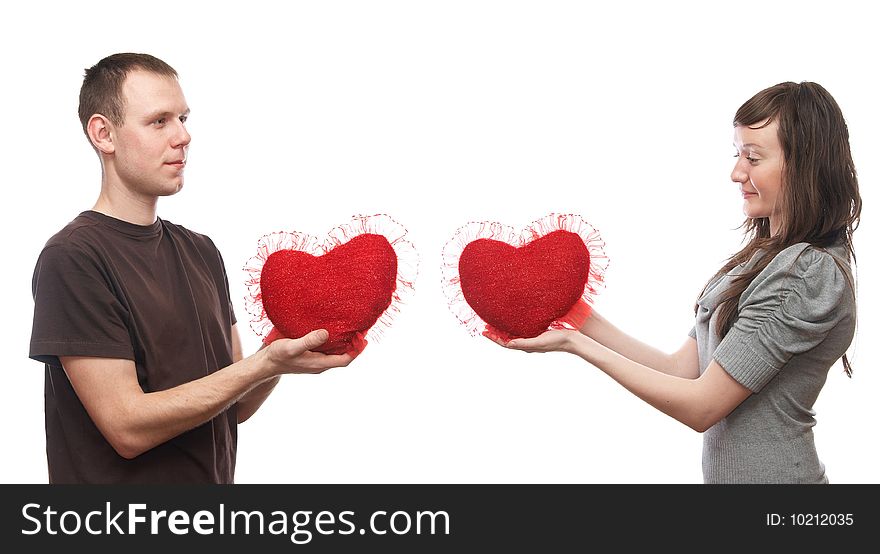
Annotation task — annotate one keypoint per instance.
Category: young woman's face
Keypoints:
(758, 171)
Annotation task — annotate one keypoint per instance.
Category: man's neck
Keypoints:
(122, 204)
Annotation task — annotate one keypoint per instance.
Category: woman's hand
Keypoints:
(556, 340)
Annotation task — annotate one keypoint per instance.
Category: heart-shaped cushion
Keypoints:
(344, 291)
(508, 285)
(344, 284)
(521, 291)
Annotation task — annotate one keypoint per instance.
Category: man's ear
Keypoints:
(100, 133)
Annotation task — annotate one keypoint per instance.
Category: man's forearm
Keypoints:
(166, 414)
(248, 404)
(133, 421)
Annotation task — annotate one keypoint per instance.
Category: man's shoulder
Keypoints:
(74, 234)
(200, 240)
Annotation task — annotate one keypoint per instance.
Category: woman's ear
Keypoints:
(100, 133)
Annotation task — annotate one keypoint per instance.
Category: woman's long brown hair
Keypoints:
(820, 202)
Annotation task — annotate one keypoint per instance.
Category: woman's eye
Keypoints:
(751, 159)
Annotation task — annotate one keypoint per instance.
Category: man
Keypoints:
(145, 380)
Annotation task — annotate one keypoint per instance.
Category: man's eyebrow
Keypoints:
(164, 113)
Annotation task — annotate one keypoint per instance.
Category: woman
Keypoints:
(775, 318)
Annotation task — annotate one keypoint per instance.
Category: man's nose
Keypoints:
(181, 136)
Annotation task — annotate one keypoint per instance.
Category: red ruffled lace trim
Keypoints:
(379, 224)
(579, 313)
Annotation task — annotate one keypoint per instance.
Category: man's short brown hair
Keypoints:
(101, 91)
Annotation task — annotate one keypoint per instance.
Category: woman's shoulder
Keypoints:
(804, 259)
(820, 274)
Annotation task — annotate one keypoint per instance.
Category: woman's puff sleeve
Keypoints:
(788, 309)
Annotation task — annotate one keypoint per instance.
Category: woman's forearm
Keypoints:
(675, 396)
(607, 334)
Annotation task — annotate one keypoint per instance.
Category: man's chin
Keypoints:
(171, 191)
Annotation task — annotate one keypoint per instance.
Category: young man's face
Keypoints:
(150, 146)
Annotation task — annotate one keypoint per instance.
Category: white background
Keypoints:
(439, 113)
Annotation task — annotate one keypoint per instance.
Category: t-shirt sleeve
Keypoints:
(791, 310)
(693, 332)
(75, 310)
(226, 285)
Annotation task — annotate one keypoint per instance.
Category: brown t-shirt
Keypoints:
(156, 294)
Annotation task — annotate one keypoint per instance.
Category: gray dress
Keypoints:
(796, 319)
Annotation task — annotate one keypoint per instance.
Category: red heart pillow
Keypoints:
(344, 285)
(510, 285)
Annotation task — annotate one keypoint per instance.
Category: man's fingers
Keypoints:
(290, 348)
(316, 362)
(314, 339)
(326, 361)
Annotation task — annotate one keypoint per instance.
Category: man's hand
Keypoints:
(296, 356)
